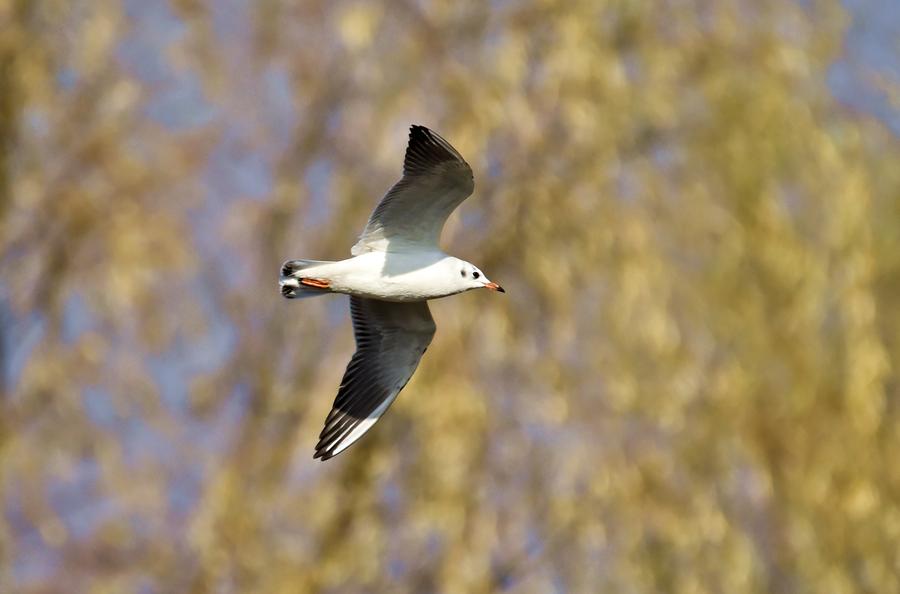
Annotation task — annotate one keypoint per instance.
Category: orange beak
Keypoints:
(494, 287)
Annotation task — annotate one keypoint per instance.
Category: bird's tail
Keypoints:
(291, 275)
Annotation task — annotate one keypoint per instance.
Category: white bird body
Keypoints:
(394, 276)
(397, 266)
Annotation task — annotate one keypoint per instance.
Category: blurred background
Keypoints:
(690, 386)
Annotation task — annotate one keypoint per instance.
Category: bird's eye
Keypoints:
(475, 274)
(462, 273)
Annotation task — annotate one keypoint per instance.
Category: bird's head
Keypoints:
(472, 277)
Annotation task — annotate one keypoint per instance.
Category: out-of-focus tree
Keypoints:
(690, 386)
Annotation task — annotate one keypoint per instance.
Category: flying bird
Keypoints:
(397, 266)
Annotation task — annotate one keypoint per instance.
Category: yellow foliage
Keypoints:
(690, 386)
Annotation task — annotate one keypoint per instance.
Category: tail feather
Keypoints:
(290, 283)
(292, 267)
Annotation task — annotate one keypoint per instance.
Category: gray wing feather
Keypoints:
(436, 179)
(390, 340)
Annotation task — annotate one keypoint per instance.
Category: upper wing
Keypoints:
(436, 179)
(390, 340)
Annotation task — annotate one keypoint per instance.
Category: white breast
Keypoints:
(394, 276)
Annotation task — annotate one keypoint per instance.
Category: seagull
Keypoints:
(397, 266)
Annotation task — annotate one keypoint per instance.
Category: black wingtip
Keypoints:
(324, 450)
(427, 149)
(421, 135)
